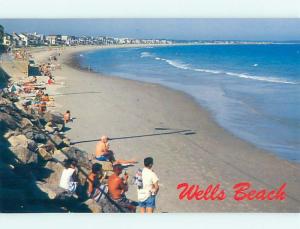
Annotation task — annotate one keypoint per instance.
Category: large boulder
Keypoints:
(54, 118)
(26, 123)
(52, 191)
(7, 121)
(40, 137)
(24, 154)
(80, 155)
(19, 140)
(56, 169)
(45, 154)
(59, 156)
(49, 128)
(57, 141)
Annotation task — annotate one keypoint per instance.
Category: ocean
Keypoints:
(253, 91)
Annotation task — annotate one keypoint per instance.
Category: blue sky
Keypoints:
(203, 29)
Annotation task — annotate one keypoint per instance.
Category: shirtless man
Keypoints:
(117, 186)
(103, 153)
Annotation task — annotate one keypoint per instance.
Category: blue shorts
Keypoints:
(102, 158)
(149, 203)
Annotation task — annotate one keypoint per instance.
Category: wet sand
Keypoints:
(187, 145)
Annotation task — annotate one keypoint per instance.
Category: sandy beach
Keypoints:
(145, 119)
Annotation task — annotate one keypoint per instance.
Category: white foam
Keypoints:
(260, 78)
(145, 54)
(177, 64)
(180, 65)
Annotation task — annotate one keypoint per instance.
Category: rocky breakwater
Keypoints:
(33, 148)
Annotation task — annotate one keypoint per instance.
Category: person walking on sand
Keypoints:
(149, 188)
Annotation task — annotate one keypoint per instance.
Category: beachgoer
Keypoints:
(150, 187)
(68, 180)
(67, 116)
(94, 181)
(45, 98)
(50, 80)
(118, 186)
(103, 153)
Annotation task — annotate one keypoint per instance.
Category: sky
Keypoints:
(179, 29)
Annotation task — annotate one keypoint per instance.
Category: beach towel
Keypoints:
(138, 178)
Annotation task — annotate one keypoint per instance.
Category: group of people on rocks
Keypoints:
(114, 187)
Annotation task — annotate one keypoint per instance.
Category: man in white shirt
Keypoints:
(147, 194)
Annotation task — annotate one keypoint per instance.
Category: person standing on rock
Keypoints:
(68, 180)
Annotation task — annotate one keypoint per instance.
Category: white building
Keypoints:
(24, 38)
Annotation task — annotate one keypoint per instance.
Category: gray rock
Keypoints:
(8, 134)
(19, 140)
(54, 118)
(52, 191)
(59, 156)
(80, 155)
(26, 123)
(60, 127)
(56, 169)
(49, 129)
(93, 206)
(7, 121)
(23, 154)
(45, 154)
(40, 138)
(57, 140)
(32, 146)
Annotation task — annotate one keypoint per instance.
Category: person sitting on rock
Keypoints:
(118, 186)
(103, 153)
(68, 179)
(95, 188)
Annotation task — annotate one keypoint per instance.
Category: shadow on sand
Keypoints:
(184, 132)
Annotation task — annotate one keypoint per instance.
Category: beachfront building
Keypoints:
(17, 40)
(7, 40)
(68, 40)
(24, 38)
(53, 40)
(35, 39)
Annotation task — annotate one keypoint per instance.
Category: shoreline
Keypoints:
(73, 62)
(210, 155)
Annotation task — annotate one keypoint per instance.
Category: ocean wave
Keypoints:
(180, 65)
(260, 78)
(146, 54)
